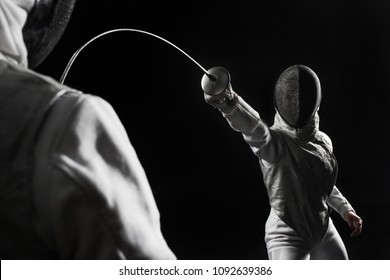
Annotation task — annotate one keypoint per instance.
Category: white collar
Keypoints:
(12, 20)
(303, 134)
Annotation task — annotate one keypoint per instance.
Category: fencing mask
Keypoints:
(297, 95)
(44, 27)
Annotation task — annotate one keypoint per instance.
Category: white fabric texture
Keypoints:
(12, 20)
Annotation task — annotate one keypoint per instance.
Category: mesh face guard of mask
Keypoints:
(44, 27)
(297, 95)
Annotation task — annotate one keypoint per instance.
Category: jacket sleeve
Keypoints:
(92, 197)
(338, 202)
(264, 144)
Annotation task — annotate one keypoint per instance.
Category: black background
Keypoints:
(206, 181)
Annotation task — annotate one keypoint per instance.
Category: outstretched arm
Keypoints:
(243, 118)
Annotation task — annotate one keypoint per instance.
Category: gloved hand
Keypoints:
(354, 221)
(225, 101)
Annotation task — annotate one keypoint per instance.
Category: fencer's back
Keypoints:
(25, 98)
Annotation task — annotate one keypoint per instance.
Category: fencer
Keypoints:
(71, 184)
(297, 162)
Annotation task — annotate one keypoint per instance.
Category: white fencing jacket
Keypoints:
(300, 178)
(71, 185)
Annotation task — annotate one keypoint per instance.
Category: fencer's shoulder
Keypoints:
(93, 109)
(74, 115)
(322, 136)
(83, 105)
(26, 77)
